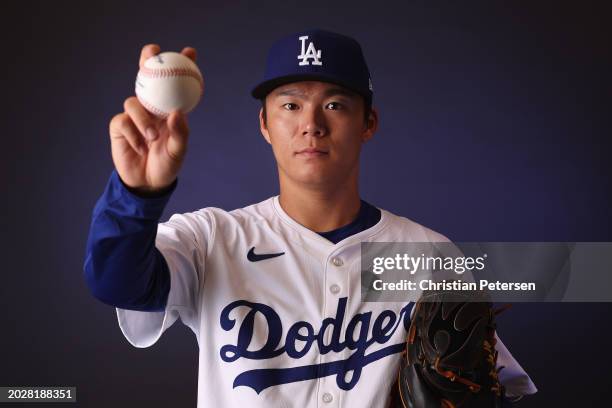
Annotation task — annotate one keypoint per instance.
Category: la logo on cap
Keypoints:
(311, 52)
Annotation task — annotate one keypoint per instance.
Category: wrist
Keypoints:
(146, 192)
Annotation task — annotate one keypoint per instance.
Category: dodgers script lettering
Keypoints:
(355, 338)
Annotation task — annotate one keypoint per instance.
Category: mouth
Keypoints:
(311, 152)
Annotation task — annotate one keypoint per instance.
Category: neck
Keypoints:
(321, 209)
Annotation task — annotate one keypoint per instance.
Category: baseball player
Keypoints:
(271, 291)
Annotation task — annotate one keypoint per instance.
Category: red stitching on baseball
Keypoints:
(172, 72)
(153, 109)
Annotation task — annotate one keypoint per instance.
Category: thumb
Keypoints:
(178, 134)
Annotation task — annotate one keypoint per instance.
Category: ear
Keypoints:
(370, 126)
(263, 128)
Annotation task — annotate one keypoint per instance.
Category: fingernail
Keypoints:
(151, 133)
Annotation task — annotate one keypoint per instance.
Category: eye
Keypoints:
(290, 106)
(333, 106)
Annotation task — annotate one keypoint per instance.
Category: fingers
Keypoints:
(178, 134)
(177, 123)
(145, 122)
(190, 52)
(150, 50)
(147, 52)
(122, 127)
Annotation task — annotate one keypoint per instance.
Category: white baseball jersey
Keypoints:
(276, 310)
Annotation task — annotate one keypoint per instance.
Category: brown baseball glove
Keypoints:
(450, 358)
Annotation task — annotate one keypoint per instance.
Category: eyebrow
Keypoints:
(329, 92)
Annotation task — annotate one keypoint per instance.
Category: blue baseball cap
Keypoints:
(316, 55)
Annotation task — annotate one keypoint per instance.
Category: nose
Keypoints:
(314, 123)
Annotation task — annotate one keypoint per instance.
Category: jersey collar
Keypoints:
(365, 235)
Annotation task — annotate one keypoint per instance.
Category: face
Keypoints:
(316, 130)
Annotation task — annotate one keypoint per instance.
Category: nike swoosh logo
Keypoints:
(253, 257)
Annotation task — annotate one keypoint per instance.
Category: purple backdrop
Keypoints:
(495, 125)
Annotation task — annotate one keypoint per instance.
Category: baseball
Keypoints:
(169, 81)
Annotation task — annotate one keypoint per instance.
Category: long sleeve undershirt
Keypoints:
(122, 266)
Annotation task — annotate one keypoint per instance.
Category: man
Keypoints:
(272, 290)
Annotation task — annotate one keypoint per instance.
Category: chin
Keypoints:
(315, 176)
(313, 179)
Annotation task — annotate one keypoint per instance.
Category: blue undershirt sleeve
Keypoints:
(123, 268)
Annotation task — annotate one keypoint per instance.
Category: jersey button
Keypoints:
(327, 397)
(337, 261)
(334, 289)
